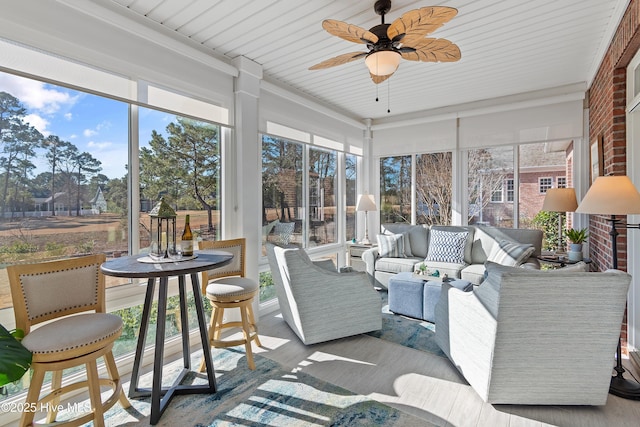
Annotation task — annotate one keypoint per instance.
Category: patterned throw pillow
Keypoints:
(510, 253)
(447, 246)
(391, 245)
(283, 232)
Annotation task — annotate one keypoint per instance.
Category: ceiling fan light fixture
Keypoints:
(383, 62)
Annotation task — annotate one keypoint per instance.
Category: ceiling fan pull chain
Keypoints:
(376, 83)
(388, 97)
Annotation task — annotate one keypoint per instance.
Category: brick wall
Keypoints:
(607, 122)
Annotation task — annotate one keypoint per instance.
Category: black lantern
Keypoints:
(163, 230)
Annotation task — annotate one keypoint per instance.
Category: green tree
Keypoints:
(57, 151)
(185, 165)
(19, 141)
(85, 165)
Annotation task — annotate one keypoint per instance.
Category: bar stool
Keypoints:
(68, 297)
(226, 287)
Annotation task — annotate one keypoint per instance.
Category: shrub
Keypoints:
(548, 223)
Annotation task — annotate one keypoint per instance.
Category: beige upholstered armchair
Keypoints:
(318, 303)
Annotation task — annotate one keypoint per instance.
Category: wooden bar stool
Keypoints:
(226, 287)
(69, 294)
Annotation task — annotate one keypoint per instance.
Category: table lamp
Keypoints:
(365, 204)
(560, 200)
(615, 195)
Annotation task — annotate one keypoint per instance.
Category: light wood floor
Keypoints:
(424, 385)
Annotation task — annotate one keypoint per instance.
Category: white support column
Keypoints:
(243, 198)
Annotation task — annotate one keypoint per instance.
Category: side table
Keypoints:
(560, 261)
(354, 255)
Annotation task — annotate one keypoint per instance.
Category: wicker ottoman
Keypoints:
(414, 297)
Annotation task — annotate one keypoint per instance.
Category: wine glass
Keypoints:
(175, 251)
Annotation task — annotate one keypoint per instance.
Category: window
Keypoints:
(395, 189)
(510, 189)
(300, 208)
(496, 195)
(180, 161)
(434, 188)
(351, 167)
(544, 183)
(562, 181)
(322, 197)
(64, 157)
(488, 169)
(282, 198)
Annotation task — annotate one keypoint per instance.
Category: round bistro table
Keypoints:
(142, 267)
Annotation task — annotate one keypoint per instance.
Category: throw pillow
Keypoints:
(283, 232)
(510, 253)
(391, 245)
(447, 246)
(407, 244)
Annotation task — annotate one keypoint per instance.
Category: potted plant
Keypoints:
(577, 237)
(16, 359)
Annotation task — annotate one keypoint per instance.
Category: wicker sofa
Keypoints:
(481, 243)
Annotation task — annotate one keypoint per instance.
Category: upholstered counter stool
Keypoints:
(226, 288)
(69, 295)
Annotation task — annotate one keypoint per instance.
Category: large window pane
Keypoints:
(433, 188)
(351, 195)
(395, 189)
(488, 186)
(322, 197)
(180, 161)
(282, 201)
(541, 169)
(63, 174)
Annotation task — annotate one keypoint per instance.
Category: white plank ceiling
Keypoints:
(508, 46)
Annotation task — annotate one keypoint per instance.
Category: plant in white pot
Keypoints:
(577, 237)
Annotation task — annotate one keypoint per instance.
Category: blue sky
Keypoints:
(92, 123)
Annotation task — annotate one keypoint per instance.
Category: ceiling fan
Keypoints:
(388, 43)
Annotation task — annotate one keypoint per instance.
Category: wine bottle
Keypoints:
(187, 239)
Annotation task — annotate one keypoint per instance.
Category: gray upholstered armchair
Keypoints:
(535, 337)
(317, 302)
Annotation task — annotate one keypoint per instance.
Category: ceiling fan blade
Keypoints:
(417, 23)
(379, 79)
(339, 60)
(433, 50)
(349, 32)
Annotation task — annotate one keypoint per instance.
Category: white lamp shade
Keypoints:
(560, 200)
(383, 62)
(611, 195)
(365, 203)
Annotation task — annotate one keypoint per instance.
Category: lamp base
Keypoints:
(365, 241)
(627, 389)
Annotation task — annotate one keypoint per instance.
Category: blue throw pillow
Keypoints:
(447, 246)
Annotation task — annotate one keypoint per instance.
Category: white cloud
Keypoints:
(99, 145)
(39, 123)
(35, 95)
(88, 133)
(68, 116)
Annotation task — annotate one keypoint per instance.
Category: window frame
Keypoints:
(543, 186)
